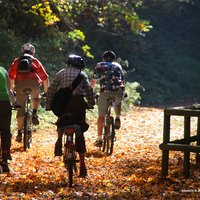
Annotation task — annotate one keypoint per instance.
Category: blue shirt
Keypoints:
(110, 76)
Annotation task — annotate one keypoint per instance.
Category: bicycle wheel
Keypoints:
(25, 140)
(106, 130)
(29, 121)
(109, 137)
(70, 164)
(29, 139)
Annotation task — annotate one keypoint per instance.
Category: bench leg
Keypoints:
(198, 140)
(187, 164)
(165, 163)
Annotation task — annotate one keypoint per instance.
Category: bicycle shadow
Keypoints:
(17, 149)
(96, 153)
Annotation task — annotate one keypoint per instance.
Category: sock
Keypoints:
(117, 116)
(99, 138)
(82, 164)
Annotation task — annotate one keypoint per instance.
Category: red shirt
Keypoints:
(37, 73)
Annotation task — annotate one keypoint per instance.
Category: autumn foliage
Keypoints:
(132, 172)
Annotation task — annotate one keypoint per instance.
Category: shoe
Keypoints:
(117, 123)
(35, 120)
(19, 137)
(98, 143)
(6, 156)
(83, 171)
(58, 148)
(5, 167)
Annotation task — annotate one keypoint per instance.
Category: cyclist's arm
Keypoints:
(46, 84)
(93, 82)
(10, 89)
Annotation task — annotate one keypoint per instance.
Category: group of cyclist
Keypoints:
(111, 79)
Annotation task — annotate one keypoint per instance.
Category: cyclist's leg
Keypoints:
(20, 97)
(35, 93)
(58, 144)
(80, 147)
(102, 109)
(5, 121)
(117, 108)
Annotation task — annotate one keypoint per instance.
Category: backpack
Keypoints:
(63, 95)
(25, 63)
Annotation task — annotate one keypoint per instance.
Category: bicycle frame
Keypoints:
(69, 156)
(109, 130)
(27, 120)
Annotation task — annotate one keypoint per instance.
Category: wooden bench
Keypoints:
(181, 144)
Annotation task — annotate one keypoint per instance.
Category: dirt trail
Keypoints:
(132, 172)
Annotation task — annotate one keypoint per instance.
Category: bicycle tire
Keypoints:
(104, 138)
(25, 139)
(109, 135)
(29, 139)
(70, 164)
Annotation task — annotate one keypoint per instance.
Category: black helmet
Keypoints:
(75, 61)
(109, 55)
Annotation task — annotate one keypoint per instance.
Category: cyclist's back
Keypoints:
(110, 75)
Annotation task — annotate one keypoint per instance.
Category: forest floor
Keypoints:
(131, 172)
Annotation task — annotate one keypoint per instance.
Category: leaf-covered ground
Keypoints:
(132, 172)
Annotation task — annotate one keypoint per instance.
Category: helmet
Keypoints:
(28, 48)
(75, 61)
(109, 55)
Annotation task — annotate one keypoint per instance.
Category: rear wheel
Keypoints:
(70, 164)
(25, 139)
(109, 136)
(29, 139)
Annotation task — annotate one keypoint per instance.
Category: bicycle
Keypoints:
(108, 128)
(70, 155)
(27, 140)
(70, 130)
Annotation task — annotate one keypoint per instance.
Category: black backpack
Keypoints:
(62, 96)
(25, 63)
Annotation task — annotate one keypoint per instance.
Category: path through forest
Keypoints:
(132, 172)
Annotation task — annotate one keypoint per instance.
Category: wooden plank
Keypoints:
(182, 112)
(179, 147)
(182, 141)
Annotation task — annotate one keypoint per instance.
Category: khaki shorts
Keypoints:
(103, 101)
(21, 96)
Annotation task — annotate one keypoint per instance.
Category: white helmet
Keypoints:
(28, 48)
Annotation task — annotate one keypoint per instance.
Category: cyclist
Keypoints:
(6, 96)
(76, 105)
(111, 77)
(33, 79)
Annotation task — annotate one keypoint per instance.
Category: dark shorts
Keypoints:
(77, 106)
(103, 101)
